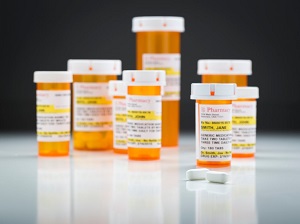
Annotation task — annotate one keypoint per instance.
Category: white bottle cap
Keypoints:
(52, 77)
(95, 67)
(225, 67)
(117, 88)
(158, 23)
(206, 91)
(250, 92)
(144, 77)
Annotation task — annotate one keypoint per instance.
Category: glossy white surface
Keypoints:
(107, 188)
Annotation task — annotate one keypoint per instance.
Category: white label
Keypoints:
(92, 107)
(144, 121)
(243, 127)
(53, 115)
(171, 64)
(120, 124)
(214, 132)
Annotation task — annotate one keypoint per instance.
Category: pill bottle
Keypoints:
(53, 108)
(213, 123)
(118, 91)
(244, 122)
(158, 48)
(144, 110)
(225, 71)
(92, 106)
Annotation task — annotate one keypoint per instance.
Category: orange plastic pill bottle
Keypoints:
(158, 48)
(244, 122)
(92, 105)
(225, 71)
(213, 123)
(144, 111)
(53, 108)
(118, 91)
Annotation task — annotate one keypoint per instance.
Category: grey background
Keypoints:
(43, 35)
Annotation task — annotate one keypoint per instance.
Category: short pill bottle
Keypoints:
(213, 123)
(225, 71)
(92, 105)
(244, 122)
(118, 91)
(144, 111)
(53, 108)
(158, 48)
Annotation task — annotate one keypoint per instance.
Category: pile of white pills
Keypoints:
(211, 176)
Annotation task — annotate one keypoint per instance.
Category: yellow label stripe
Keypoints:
(142, 115)
(237, 120)
(169, 71)
(216, 126)
(92, 100)
(50, 133)
(121, 117)
(208, 152)
(243, 145)
(50, 109)
(137, 140)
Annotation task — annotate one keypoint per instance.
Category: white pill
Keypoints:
(196, 174)
(217, 177)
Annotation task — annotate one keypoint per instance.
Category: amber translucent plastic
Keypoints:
(93, 141)
(203, 163)
(243, 155)
(144, 153)
(116, 150)
(53, 148)
(240, 80)
(155, 43)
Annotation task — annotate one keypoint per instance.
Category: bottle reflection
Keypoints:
(54, 190)
(92, 187)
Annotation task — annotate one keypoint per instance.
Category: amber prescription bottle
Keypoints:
(53, 108)
(225, 71)
(213, 123)
(144, 110)
(244, 122)
(158, 48)
(118, 91)
(92, 106)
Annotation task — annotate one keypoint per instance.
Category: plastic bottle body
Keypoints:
(96, 135)
(213, 133)
(240, 79)
(145, 153)
(244, 128)
(119, 120)
(166, 44)
(55, 147)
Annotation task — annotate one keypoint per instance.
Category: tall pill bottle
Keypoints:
(213, 123)
(158, 48)
(244, 122)
(144, 111)
(53, 108)
(118, 90)
(92, 105)
(225, 71)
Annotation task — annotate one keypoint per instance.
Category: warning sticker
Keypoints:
(214, 132)
(53, 115)
(144, 121)
(171, 64)
(92, 107)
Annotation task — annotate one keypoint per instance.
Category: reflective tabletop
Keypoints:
(103, 187)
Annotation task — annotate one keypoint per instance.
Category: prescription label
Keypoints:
(171, 64)
(120, 124)
(53, 115)
(144, 121)
(214, 132)
(92, 107)
(243, 127)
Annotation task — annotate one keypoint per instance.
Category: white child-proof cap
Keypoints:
(206, 91)
(250, 92)
(52, 77)
(224, 67)
(144, 77)
(95, 67)
(117, 88)
(158, 23)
